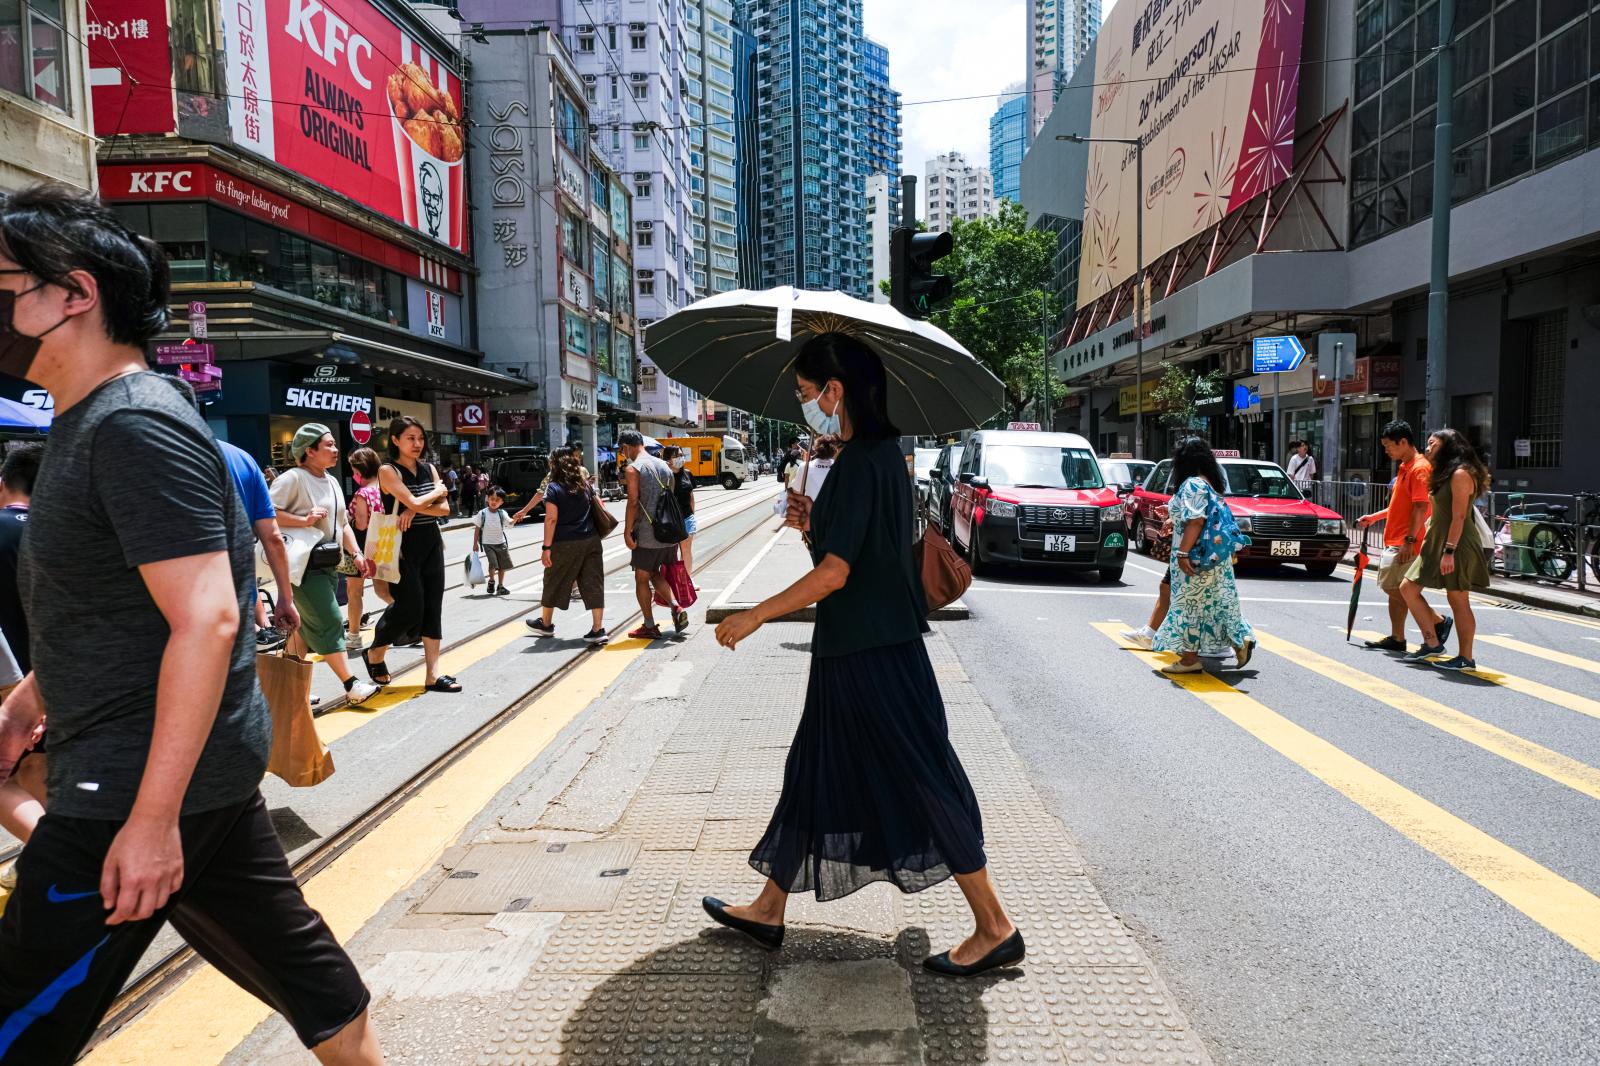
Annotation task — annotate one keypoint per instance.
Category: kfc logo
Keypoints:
(432, 196)
(156, 182)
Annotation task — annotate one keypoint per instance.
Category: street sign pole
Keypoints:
(1138, 301)
(1277, 418)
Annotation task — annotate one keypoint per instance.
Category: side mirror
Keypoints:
(979, 482)
(965, 477)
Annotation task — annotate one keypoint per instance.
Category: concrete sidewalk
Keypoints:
(567, 928)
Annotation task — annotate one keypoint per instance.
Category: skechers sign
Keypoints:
(343, 403)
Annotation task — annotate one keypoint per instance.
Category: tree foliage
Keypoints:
(1001, 300)
(1178, 393)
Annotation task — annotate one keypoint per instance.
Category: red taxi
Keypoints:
(1036, 498)
(1283, 526)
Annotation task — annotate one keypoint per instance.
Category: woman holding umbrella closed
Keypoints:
(872, 789)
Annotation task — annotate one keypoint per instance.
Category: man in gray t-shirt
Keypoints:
(647, 479)
(136, 575)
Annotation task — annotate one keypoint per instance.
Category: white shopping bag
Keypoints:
(476, 572)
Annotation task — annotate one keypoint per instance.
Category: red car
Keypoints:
(1039, 499)
(1283, 526)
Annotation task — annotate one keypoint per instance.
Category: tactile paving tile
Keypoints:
(684, 1002)
(684, 772)
(753, 771)
(598, 944)
(700, 738)
(728, 805)
(870, 911)
(665, 821)
(735, 835)
(696, 1048)
(967, 1045)
(1105, 998)
(1132, 1047)
(648, 890)
(550, 1019)
(721, 868)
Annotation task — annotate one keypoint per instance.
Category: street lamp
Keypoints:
(1138, 286)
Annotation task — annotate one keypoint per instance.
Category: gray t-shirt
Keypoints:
(130, 476)
(655, 477)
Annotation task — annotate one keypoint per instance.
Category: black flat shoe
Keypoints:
(1009, 952)
(378, 672)
(768, 936)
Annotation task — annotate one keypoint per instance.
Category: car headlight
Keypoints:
(1115, 513)
(1245, 526)
(1332, 527)
(1000, 509)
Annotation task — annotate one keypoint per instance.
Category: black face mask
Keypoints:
(18, 350)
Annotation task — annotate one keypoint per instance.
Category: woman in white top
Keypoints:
(308, 497)
(815, 471)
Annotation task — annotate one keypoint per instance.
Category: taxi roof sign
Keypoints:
(1033, 427)
(1226, 453)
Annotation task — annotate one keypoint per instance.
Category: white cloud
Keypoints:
(945, 48)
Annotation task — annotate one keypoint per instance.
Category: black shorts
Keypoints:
(61, 966)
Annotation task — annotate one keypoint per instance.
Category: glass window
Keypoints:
(180, 229)
(1395, 157)
(1561, 127)
(1470, 11)
(12, 66)
(1511, 151)
(1369, 27)
(1365, 130)
(1399, 51)
(1426, 89)
(1554, 14)
(49, 58)
(602, 347)
(1364, 172)
(1364, 219)
(135, 216)
(324, 274)
(1393, 211)
(1471, 112)
(1369, 76)
(1513, 89)
(1470, 170)
(1563, 62)
(1399, 10)
(33, 51)
(1515, 29)
(1428, 28)
(1397, 104)
(1472, 54)
(602, 273)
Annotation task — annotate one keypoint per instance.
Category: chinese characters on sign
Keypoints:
(130, 67)
(508, 164)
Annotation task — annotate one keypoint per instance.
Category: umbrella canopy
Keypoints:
(739, 348)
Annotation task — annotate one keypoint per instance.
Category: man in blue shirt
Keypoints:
(263, 517)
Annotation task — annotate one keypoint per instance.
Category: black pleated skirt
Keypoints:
(872, 789)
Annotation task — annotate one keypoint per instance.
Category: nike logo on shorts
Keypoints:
(55, 895)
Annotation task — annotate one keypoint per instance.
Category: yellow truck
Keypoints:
(713, 460)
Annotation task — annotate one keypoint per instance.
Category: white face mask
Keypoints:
(677, 464)
(820, 423)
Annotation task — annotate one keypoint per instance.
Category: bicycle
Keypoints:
(1551, 544)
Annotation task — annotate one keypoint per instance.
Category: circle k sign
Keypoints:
(471, 417)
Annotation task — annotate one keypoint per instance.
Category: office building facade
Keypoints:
(957, 189)
(711, 110)
(1009, 137)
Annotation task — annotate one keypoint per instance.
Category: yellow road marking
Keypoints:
(1539, 652)
(207, 1015)
(1496, 741)
(1548, 693)
(1566, 909)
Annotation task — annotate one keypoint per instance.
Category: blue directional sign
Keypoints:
(1277, 355)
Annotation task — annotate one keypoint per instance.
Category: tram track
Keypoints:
(155, 981)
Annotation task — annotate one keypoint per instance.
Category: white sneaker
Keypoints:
(1181, 667)
(1142, 637)
(361, 692)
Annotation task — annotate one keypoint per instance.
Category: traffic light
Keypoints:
(913, 286)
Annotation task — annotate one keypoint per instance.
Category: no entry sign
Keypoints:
(360, 427)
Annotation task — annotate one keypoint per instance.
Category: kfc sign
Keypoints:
(157, 182)
(340, 92)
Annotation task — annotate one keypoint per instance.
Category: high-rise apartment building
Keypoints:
(880, 118)
(747, 139)
(1059, 32)
(1009, 137)
(711, 110)
(634, 60)
(957, 189)
(812, 144)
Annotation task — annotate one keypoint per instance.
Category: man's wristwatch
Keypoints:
(1449, 549)
(1411, 540)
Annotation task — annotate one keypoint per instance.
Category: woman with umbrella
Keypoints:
(872, 789)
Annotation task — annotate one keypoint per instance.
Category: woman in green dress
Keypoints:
(1452, 555)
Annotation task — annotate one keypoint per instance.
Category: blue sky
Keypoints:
(944, 48)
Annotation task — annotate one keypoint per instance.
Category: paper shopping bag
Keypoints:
(383, 547)
(298, 754)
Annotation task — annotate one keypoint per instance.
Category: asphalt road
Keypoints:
(1323, 876)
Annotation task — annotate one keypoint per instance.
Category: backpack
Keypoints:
(666, 519)
(1220, 539)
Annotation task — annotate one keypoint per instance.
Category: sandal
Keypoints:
(378, 672)
(443, 683)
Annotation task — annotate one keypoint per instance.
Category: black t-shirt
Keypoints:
(863, 515)
(132, 476)
(683, 489)
(13, 619)
(424, 481)
(574, 513)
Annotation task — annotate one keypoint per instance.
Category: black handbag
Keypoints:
(325, 556)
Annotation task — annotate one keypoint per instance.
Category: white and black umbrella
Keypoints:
(739, 348)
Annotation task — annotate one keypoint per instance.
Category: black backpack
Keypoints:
(666, 520)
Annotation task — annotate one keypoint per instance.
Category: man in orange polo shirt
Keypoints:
(1404, 523)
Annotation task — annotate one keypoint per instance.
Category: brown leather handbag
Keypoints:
(945, 575)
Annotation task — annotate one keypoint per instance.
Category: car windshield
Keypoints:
(1039, 467)
(1260, 482)
(925, 460)
(1124, 472)
(733, 455)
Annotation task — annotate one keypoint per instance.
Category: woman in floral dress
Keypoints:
(1205, 618)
